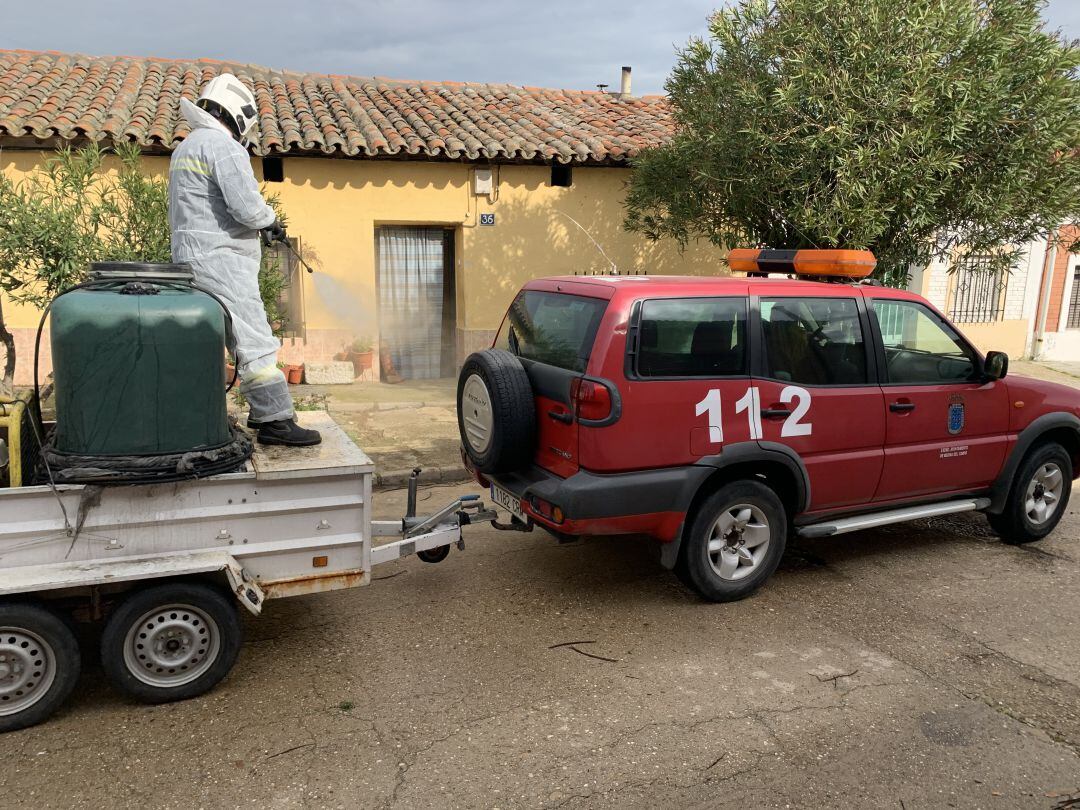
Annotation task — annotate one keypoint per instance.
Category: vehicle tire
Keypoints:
(39, 664)
(734, 542)
(171, 642)
(496, 412)
(1037, 498)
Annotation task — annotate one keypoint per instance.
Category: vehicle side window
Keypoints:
(553, 328)
(920, 347)
(692, 337)
(815, 341)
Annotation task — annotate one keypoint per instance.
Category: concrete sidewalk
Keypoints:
(412, 424)
(1067, 373)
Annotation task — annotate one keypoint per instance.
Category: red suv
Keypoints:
(718, 415)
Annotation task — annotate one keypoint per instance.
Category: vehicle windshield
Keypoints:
(553, 328)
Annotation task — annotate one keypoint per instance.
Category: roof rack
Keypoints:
(820, 265)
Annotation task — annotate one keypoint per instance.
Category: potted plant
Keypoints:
(360, 353)
(294, 375)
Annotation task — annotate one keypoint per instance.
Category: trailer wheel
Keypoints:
(434, 555)
(171, 642)
(39, 664)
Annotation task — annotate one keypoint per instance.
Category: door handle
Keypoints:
(565, 417)
(902, 407)
(775, 413)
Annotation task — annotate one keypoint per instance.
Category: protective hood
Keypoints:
(199, 118)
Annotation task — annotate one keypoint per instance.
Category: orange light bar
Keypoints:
(743, 260)
(852, 264)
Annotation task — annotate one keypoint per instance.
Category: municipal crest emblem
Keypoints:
(956, 415)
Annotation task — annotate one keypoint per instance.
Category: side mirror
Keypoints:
(996, 365)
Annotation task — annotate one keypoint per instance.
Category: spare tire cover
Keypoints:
(496, 411)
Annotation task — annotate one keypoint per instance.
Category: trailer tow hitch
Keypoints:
(464, 511)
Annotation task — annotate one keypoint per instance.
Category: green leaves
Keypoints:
(72, 212)
(908, 129)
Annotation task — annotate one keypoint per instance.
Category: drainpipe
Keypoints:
(1044, 303)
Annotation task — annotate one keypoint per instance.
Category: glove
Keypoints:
(275, 232)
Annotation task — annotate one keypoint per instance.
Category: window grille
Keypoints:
(979, 290)
(1073, 321)
(288, 321)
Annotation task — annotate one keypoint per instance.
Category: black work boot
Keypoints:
(286, 432)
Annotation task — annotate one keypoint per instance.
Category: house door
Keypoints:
(416, 301)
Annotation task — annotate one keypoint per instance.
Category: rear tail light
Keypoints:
(591, 400)
(546, 509)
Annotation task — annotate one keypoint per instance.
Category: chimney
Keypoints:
(625, 87)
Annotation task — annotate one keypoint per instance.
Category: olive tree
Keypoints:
(909, 129)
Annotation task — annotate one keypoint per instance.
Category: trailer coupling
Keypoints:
(430, 537)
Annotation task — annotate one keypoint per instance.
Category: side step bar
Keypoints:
(854, 524)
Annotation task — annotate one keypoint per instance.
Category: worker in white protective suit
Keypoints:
(216, 214)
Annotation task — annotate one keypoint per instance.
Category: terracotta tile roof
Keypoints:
(47, 95)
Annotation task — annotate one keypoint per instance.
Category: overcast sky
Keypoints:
(558, 43)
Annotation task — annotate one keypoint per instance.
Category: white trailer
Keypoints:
(157, 563)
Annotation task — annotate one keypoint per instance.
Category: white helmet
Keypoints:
(228, 98)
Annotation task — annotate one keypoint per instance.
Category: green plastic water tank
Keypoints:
(139, 367)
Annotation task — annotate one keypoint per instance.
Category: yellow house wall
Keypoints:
(334, 206)
(1002, 336)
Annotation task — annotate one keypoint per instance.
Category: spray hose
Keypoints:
(269, 239)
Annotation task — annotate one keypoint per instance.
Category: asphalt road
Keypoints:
(925, 665)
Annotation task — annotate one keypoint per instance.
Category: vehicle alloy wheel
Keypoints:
(734, 541)
(1037, 497)
(39, 664)
(739, 541)
(1044, 493)
(171, 642)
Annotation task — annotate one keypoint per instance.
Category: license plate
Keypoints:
(508, 502)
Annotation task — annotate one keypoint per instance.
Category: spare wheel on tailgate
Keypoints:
(496, 412)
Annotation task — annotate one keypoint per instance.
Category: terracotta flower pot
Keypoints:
(361, 361)
(294, 374)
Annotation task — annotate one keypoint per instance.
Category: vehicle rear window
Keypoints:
(553, 328)
(692, 337)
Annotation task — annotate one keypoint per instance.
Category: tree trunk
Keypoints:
(7, 386)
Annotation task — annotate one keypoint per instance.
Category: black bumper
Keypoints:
(589, 496)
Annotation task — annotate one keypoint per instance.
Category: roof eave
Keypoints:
(35, 144)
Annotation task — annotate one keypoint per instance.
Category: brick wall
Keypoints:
(1062, 262)
(1015, 293)
(937, 288)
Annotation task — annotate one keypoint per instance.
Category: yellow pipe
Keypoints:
(11, 417)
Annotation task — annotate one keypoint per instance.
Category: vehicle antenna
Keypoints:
(614, 269)
(795, 228)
